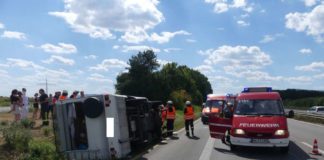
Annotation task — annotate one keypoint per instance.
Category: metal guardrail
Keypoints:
(306, 114)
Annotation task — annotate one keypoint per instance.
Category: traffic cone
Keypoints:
(315, 148)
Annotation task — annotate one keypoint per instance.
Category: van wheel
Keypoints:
(233, 148)
(284, 150)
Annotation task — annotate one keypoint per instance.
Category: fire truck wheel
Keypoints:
(92, 107)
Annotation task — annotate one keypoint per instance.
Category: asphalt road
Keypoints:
(203, 147)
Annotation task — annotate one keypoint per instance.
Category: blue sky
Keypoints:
(84, 45)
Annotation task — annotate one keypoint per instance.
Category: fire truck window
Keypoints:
(259, 107)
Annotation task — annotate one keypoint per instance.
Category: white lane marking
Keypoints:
(318, 125)
(206, 153)
(310, 146)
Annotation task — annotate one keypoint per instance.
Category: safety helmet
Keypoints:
(170, 102)
(188, 103)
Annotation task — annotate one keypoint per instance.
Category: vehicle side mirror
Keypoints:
(291, 114)
(228, 114)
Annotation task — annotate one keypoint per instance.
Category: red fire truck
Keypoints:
(257, 120)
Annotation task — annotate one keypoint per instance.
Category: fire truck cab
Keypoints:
(258, 120)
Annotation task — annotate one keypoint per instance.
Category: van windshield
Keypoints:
(214, 103)
(259, 107)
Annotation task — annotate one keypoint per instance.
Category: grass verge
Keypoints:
(179, 122)
(309, 119)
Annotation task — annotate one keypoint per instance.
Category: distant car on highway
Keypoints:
(316, 109)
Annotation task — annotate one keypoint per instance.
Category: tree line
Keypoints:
(145, 77)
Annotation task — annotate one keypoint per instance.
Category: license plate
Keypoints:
(259, 141)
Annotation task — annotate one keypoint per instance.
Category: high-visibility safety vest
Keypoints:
(189, 114)
(172, 114)
(62, 98)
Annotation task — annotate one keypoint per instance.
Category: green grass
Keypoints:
(179, 122)
(304, 103)
(309, 119)
(4, 101)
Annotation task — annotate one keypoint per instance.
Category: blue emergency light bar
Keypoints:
(257, 89)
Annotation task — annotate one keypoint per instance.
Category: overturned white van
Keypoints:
(81, 126)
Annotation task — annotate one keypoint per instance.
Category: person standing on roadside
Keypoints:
(14, 100)
(189, 118)
(171, 115)
(63, 96)
(36, 106)
(43, 100)
(25, 107)
(74, 94)
(82, 94)
(50, 106)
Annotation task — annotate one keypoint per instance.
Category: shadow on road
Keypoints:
(295, 152)
(194, 138)
(174, 137)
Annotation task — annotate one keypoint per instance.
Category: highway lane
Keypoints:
(205, 148)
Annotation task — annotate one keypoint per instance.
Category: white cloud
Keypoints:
(299, 79)
(163, 62)
(13, 35)
(310, 3)
(258, 76)
(137, 48)
(99, 78)
(23, 64)
(60, 59)
(2, 26)
(237, 57)
(312, 23)
(99, 18)
(29, 46)
(314, 66)
(166, 36)
(108, 64)
(305, 51)
(243, 23)
(91, 56)
(319, 76)
(61, 48)
(206, 69)
(169, 50)
(270, 38)
(191, 40)
(221, 6)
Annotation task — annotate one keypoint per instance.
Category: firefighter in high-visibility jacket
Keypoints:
(189, 118)
(171, 115)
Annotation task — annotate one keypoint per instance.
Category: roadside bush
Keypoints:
(4, 123)
(26, 123)
(16, 137)
(41, 150)
(179, 98)
(47, 131)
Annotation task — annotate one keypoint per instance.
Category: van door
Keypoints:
(219, 124)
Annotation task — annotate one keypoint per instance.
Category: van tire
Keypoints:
(92, 107)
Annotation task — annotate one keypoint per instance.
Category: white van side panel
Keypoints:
(117, 110)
